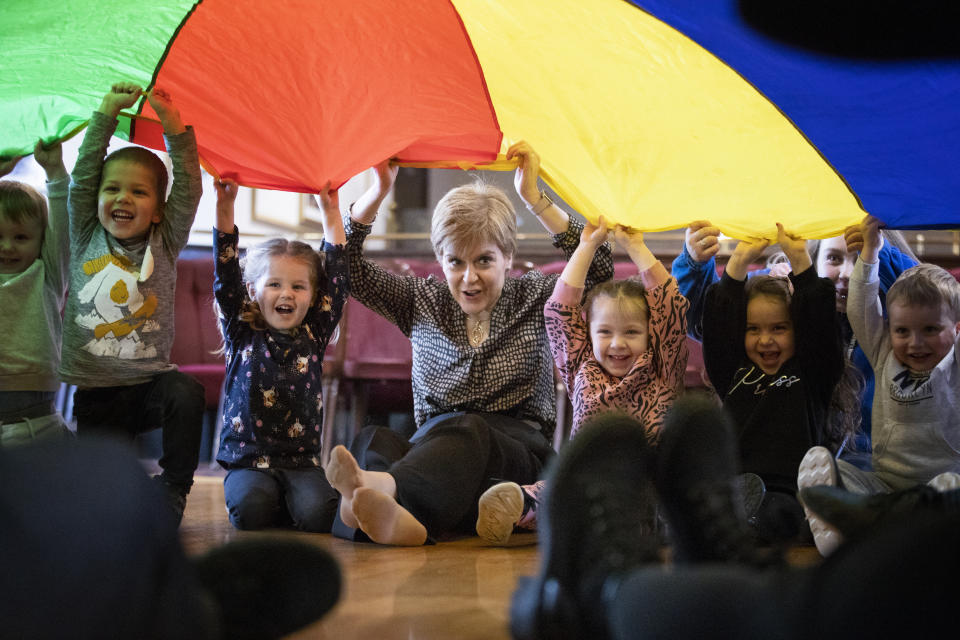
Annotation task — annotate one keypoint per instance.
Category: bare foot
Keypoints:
(383, 519)
(344, 475)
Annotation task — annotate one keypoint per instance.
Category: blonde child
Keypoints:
(773, 353)
(34, 254)
(276, 313)
(916, 417)
(125, 236)
(622, 350)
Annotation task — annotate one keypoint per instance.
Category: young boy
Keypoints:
(34, 252)
(916, 406)
(118, 325)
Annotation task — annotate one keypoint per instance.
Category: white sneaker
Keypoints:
(500, 508)
(946, 481)
(818, 468)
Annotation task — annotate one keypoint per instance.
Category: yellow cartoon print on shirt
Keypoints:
(119, 310)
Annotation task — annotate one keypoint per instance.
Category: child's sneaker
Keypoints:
(946, 481)
(502, 508)
(175, 497)
(818, 468)
(596, 524)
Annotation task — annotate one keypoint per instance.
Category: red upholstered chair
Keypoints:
(197, 337)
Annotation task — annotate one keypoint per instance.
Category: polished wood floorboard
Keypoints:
(458, 589)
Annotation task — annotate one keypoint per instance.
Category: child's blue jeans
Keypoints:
(172, 401)
(261, 498)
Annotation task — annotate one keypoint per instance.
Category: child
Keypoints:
(628, 355)
(276, 318)
(916, 417)
(34, 252)
(774, 357)
(125, 237)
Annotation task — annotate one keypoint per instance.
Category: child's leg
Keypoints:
(311, 501)
(346, 476)
(254, 498)
(175, 404)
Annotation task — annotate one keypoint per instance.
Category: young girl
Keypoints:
(774, 357)
(276, 317)
(628, 354)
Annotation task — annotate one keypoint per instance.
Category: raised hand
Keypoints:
(368, 204)
(169, 115)
(594, 234)
(386, 177)
(632, 241)
(227, 190)
(51, 159)
(744, 254)
(872, 240)
(122, 95)
(702, 240)
(795, 248)
(527, 173)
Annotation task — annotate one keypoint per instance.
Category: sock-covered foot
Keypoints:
(344, 474)
(596, 523)
(268, 588)
(818, 468)
(385, 521)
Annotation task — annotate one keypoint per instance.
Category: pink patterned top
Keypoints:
(649, 388)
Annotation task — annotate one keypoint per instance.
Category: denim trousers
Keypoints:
(172, 402)
(298, 498)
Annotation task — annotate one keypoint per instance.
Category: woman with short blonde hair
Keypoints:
(483, 386)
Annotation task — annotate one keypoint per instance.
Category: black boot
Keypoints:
(596, 523)
(696, 477)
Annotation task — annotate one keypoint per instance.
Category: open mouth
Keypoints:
(122, 216)
(770, 357)
(283, 309)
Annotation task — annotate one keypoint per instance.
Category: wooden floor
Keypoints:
(458, 589)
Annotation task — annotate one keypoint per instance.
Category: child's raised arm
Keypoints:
(592, 238)
(169, 115)
(122, 95)
(872, 240)
(632, 241)
(51, 159)
(365, 208)
(552, 217)
(795, 249)
(226, 195)
(744, 254)
(332, 222)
